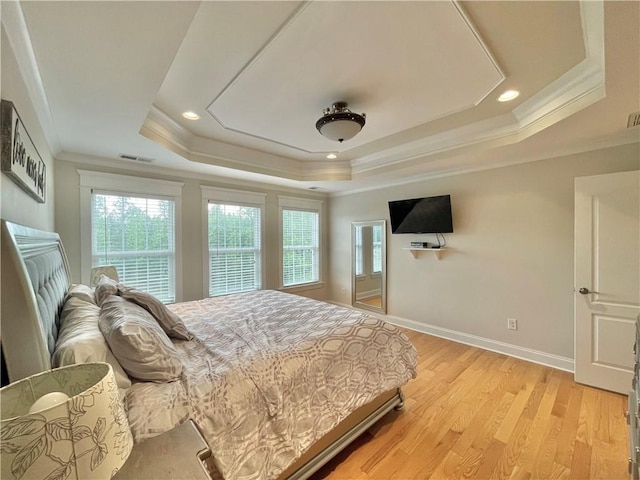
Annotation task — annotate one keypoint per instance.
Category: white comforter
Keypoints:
(268, 374)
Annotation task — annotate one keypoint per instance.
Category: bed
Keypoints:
(277, 383)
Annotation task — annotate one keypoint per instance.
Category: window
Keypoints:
(300, 247)
(233, 243)
(136, 235)
(377, 249)
(300, 221)
(132, 223)
(358, 245)
(235, 253)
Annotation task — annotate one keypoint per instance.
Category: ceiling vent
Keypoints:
(134, 158)
(634, 120)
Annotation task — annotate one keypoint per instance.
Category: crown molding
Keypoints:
(581, 86)
(495, 129)
(165, 131)
(458, 167)
(15, 27)
(578, 88)
(84, 161)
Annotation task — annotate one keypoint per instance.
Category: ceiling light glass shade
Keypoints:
(64, 423)
(339, 123)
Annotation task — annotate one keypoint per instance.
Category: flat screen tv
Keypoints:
(421, 215)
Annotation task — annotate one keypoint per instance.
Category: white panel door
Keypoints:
(607, 278)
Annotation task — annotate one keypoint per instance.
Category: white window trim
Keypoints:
(124, 184)
(297, 203)
(233, 197)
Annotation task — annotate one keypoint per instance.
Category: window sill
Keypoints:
(302, 287)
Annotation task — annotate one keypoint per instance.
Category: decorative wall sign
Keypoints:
(20, 158)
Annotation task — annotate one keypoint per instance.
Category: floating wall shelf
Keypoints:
(414, 251)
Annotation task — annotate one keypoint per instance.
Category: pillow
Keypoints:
(171, 323)
(104, 288)
(138, 342)
(82, 292)
(81, 341)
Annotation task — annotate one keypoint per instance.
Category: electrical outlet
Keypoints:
(512, 324)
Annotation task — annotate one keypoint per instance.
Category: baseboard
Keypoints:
(529, 354)
(523, 353)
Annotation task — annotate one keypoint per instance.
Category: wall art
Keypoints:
(20, 158)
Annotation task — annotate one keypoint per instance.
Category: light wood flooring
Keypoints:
(476, 414)
(374, 301)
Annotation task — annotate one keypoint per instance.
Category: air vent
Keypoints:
(634, 120)
(134, 158)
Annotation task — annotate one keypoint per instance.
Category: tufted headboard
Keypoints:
(35, 280)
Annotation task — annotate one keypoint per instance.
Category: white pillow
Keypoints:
(138, 342)
(80, 339)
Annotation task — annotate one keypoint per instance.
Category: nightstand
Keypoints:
(177, 454)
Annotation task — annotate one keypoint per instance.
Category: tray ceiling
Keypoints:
(406, 63)
(107, 77)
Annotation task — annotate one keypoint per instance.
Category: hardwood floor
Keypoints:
(476, 414)
(374, 301)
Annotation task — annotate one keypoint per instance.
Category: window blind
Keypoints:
(234, 248)
(137, 236)
(300, 245)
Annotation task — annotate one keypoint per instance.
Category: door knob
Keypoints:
(585, 291)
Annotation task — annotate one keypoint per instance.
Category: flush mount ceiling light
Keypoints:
(339, 123)
(508, 96)
(332, 156)
(191, 115)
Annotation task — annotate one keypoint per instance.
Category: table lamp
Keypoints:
(66, 423)
(107, 270)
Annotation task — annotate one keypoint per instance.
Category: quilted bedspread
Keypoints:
(269, 373)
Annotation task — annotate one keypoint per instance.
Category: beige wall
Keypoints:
(511, 253)
(16, 205)
(67, 215)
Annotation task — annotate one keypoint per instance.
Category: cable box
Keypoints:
(419, 244)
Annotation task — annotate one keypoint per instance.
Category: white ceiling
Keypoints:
(111, 78)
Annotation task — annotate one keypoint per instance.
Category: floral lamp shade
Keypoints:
(66, 423)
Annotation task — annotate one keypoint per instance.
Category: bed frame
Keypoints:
(35, 279)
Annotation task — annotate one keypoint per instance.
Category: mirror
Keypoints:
(368, 268)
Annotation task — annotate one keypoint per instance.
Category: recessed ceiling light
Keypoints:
(332, 156)
(508, 95)
(191, 115)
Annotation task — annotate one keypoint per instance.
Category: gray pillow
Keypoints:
(171, 323)
(138, 342)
